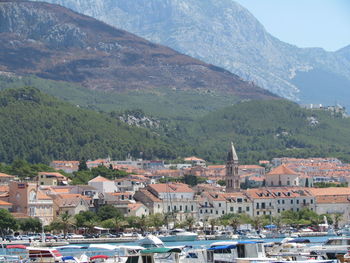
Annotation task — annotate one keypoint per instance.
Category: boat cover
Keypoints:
(222, 247)
(160, 250)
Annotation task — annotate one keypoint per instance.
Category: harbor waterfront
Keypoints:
(194, 244)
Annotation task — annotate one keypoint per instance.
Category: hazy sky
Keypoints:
(305, 23)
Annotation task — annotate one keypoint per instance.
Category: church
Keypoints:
(232, 177)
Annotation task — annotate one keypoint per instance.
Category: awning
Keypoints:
(68, 258)
(100, 228)
(270, 226)
(222, 247)
(99, 256)
(16, 246)
(160, 250)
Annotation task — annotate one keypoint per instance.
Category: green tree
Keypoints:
(30, 224)
(116, 223)
(108, 212)
(189, 222)
(82, 165)
(7, 222)
(156, 220)
(86, 219)
(337, 217)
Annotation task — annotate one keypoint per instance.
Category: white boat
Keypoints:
(178, 235)
(247, 252)
(332, 247)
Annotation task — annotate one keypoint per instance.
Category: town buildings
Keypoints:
(151, 187)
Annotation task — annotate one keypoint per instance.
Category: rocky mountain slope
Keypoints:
(223, 33)
(56, 43)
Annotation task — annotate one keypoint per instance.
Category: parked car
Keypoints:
(11, 238)
(50, 237)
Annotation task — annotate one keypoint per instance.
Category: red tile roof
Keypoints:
(100, 179)
(282, 169)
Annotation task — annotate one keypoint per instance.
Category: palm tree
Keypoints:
(156, 220)
(65, 221)
(116, 223)
(234, 222)
(257, 222)
(212, 223)
(337, 218)
(189, 222)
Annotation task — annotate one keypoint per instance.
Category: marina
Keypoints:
(151, 249)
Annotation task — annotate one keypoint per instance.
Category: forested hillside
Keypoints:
(267, 129)
(39, 128)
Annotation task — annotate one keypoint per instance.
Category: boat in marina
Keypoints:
(178, 235)
(333, 247)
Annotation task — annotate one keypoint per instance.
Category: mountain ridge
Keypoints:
(63, 45)
(223, 33)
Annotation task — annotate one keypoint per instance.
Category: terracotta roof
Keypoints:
(4, 188)
(42, 196)
(192, 158)
(5, 203)
(333, 199)
(330, 191)
(171, 188)
(100, 179)
(6, 175)
(150, 195)
(250, 166)
(282, 169)
(19, 215)
(135, 206)
(52, 173)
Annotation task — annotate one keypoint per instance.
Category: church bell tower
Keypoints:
(232, 177)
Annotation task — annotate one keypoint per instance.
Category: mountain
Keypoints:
(267, 129)
(40, 128)
(55, 43)
(224, 33)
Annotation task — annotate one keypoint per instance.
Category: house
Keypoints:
(5, 178)
(103, 185)
(28, 199)
(50, 178)
(5, 205)
(137, 209)
(282, 176)
(71, 203)
(332, 200)
(195, 161)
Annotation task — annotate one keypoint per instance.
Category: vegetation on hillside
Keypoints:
(40, 128)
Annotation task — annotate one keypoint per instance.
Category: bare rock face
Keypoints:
(223, 33)
(53, 42)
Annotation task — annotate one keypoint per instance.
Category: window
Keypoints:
(211, 211)
(239, 200)
(239, 209)
(174, 207)
(223, 212)
(257, 213)
(282, 202)
(297, 201)
(311, 201)
(257, 205)
(180, 207)
(191, 207)
(291, 201)
(201, 211)
(278, 210)
(263, 205)
(217, 212)
(278, 201)
(247, 208)
(231, 209)
(219, 204)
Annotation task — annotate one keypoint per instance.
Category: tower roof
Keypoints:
(232, 155)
